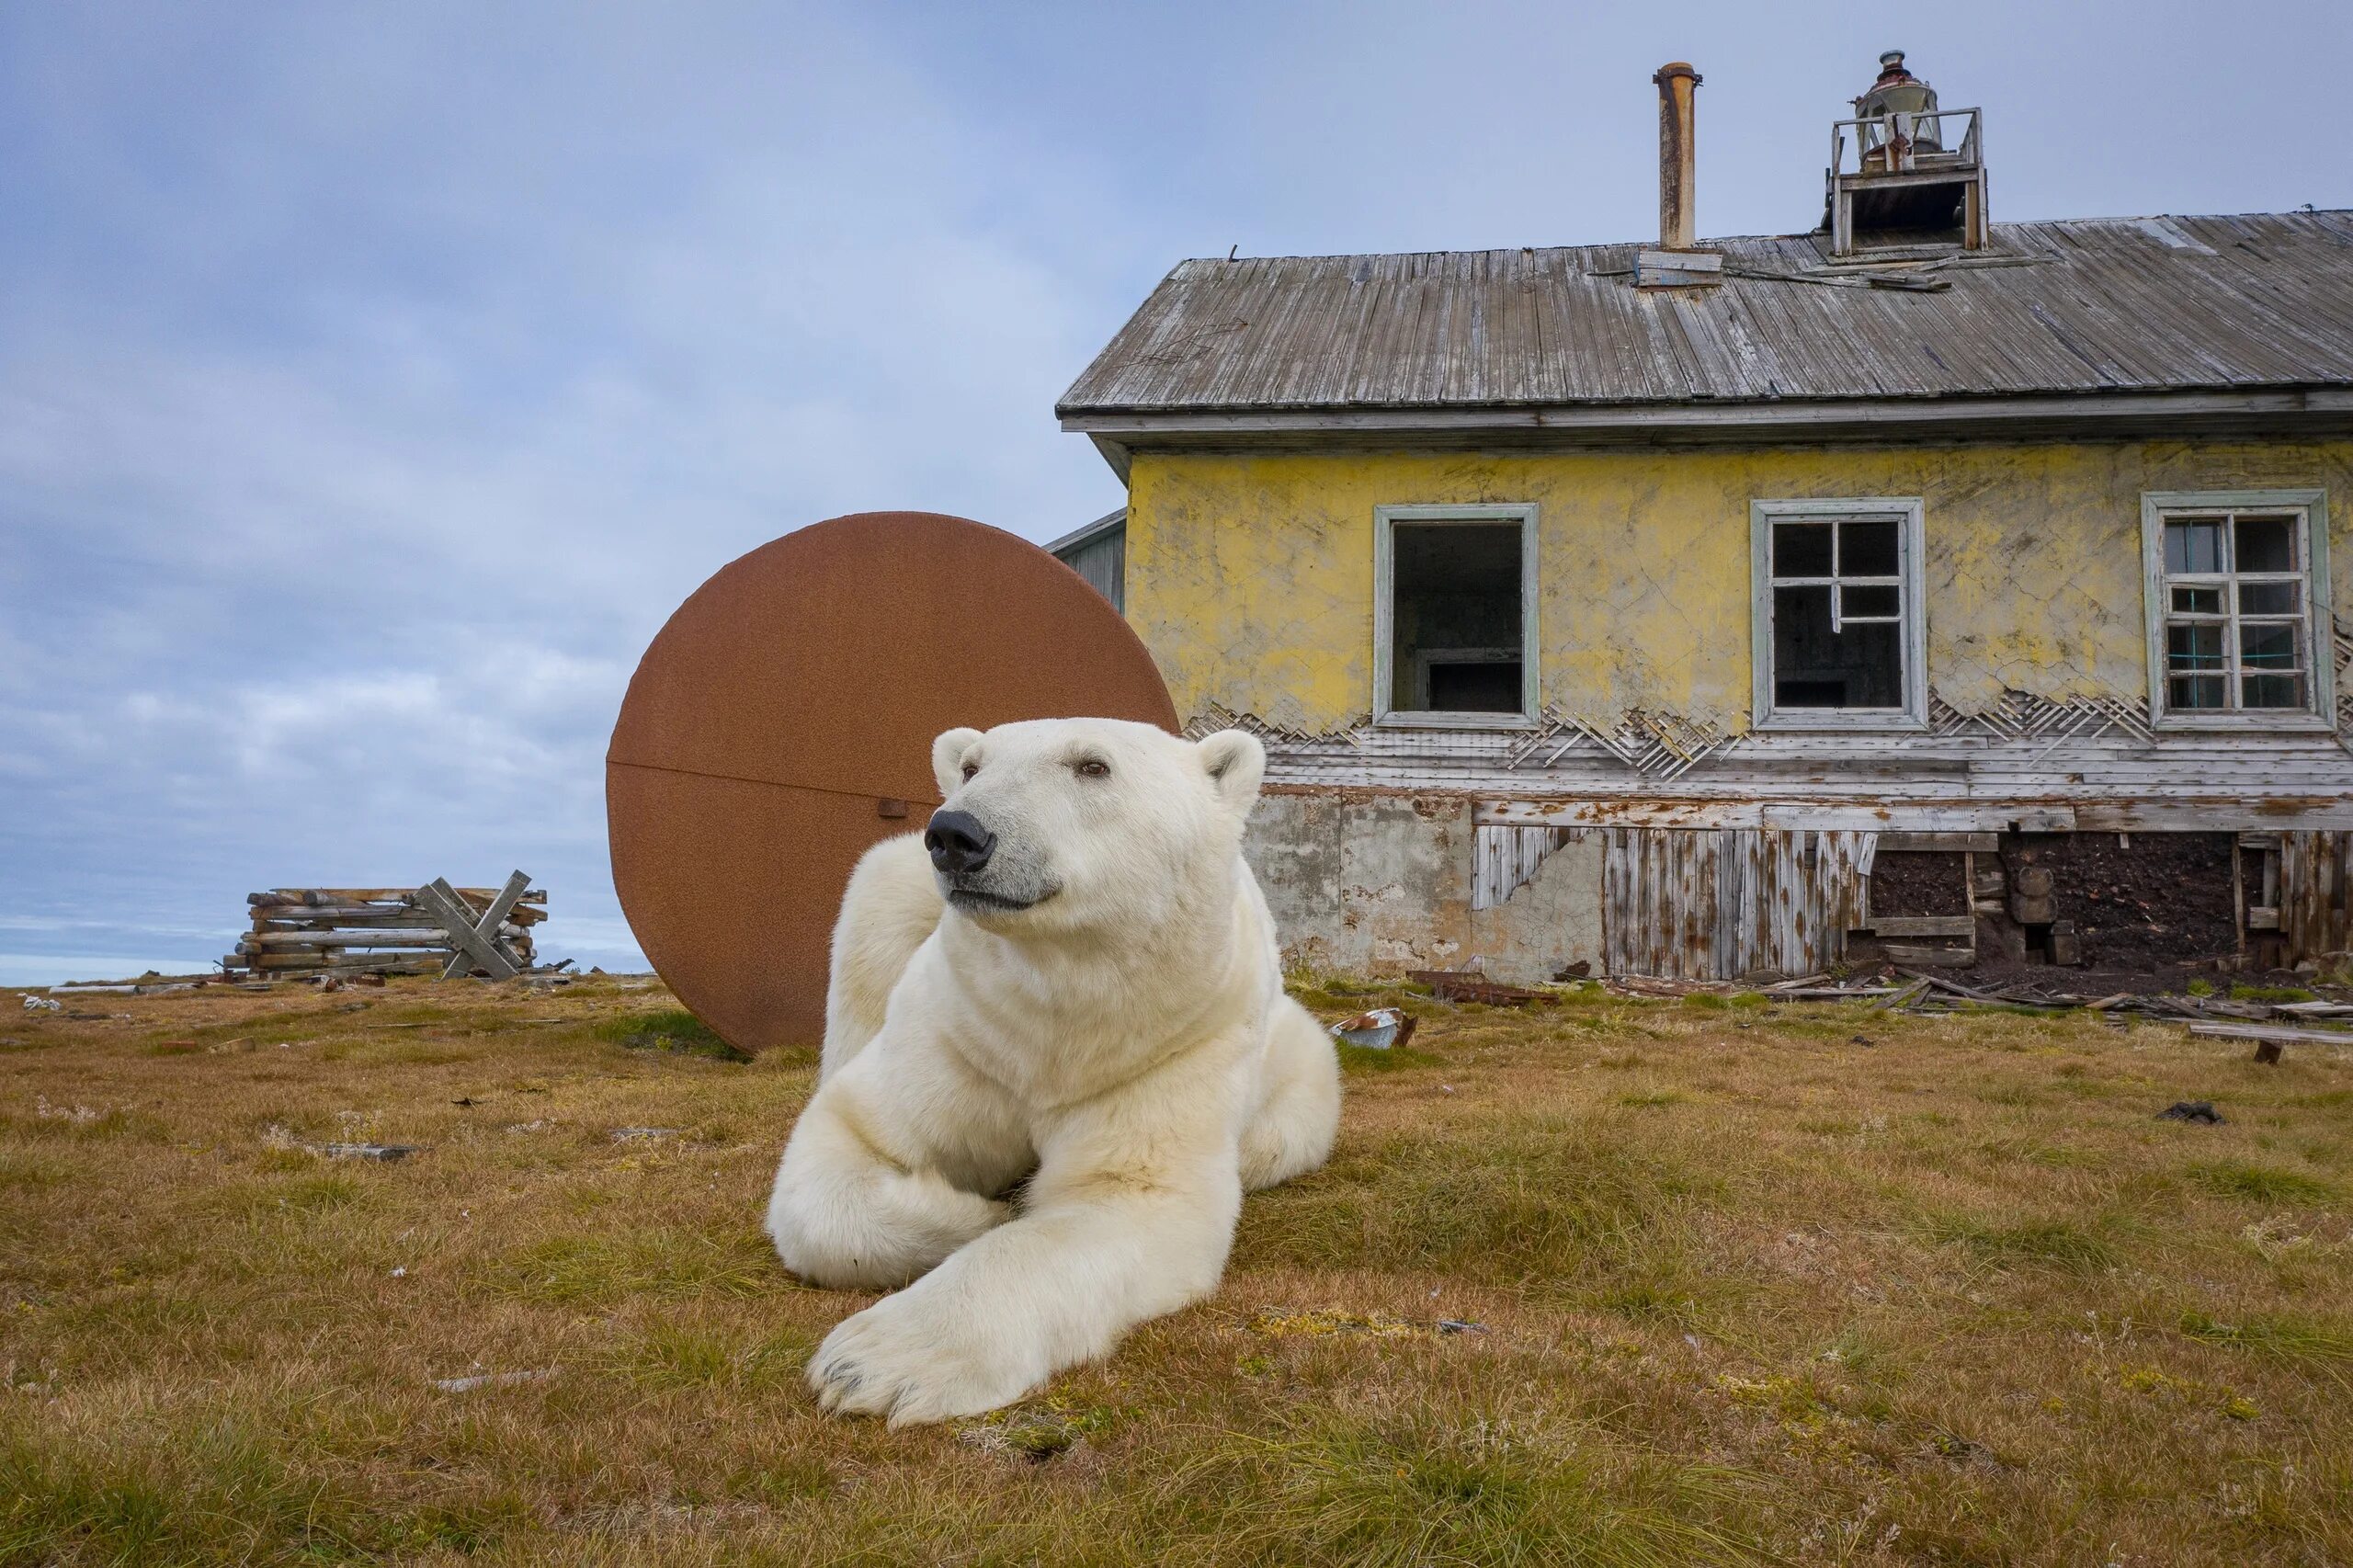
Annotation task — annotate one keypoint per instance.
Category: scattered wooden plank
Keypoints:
(442, 898)
(1924, 925)
(1956, 958)
(1930, 843)
(285, 941)
(1468, 985)
(490, 928)
(1954, 986)
(1903, 996)
(2281, 1032)
(375, 895)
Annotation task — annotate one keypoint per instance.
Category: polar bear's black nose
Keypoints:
(958, 842)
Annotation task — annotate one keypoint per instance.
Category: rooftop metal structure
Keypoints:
(1915, 166)
(2241, 322)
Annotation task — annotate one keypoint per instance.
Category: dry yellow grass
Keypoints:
(1751, 1290)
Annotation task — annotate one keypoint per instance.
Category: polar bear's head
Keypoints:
(1066, 825)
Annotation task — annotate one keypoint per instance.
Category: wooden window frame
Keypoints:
(1912, 612)
(1384, 582)
(2320, 685)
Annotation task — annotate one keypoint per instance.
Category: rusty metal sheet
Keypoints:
(781, 723)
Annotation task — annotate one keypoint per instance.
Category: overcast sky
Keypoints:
(374, 379)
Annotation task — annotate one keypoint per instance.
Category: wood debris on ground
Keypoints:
(1895, 988)
(1472, 985)
(332, 933)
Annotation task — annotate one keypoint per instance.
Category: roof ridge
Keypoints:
(2126, 303)
(1801, 235)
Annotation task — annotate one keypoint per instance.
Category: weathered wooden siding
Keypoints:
(2314, 868)
(1700, 903)
(2110, 779)
(1508, 859)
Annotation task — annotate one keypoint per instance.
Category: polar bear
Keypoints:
(1057, 1052)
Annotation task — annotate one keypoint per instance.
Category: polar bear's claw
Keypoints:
(900, 1359)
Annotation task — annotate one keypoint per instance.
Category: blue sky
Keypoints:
(375, 380)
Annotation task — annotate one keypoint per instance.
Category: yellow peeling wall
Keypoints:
(1250, 578)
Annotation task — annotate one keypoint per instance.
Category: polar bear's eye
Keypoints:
(971, 768)
(1092, 768)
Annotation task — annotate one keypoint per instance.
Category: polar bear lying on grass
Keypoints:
(1070, 977)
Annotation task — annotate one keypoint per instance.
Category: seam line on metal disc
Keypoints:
(771, 783)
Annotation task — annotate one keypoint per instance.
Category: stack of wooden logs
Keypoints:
(434, 929)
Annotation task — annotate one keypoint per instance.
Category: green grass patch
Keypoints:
(2051, 1243)
(1427, 1487)
(2288, 1337)
(216, 1486)
(673, 1030)
(2261, 1184)
(1540, 1201)
(664, 1262)
(2269, 994)
(672, 1358)
(1377, 1059)
(2058, 1157)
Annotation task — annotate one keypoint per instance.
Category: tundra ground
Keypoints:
(1749, 1283)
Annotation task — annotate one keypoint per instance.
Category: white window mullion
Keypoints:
(1818, 695)
(2170, 518)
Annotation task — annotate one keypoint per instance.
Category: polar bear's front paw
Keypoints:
(915, 1357)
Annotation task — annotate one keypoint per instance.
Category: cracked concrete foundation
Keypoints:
(1366, 883)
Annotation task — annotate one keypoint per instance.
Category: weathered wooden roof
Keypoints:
(2263, 300)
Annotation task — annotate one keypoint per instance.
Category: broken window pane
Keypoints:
(2197, 601)
(1857, 666)
(2273, 691)
(2265, 545)
(2267, 599)
(2194, 647)
(2270, 645)
(2194, 544)
(2195, 691)
(1456, 615)
(1801, 550)
(1874, 599)
(1475, 689)
(1867, 549)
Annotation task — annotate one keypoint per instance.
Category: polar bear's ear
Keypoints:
(1236, 762)
(948, 758)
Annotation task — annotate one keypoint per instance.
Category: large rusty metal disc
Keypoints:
(782, 721)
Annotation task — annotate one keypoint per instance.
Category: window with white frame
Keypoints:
(1838, 636)
(1454, 616)
(2237, 602)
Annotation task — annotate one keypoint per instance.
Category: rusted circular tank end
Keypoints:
(786, 712)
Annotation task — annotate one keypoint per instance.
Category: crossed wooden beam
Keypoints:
(474, 940)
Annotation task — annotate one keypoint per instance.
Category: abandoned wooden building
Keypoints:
(1923, 584)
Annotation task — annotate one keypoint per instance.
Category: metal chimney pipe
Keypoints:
(1677, 149)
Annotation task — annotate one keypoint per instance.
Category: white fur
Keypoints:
(1099, 1010)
